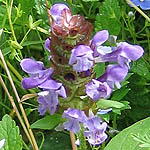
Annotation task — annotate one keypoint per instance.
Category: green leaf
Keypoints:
(10, 132)
(30, 22)
(27, 43)
(141, 68)
(104, 104)
(120, 93)
(125, 141)
(99, 69)
(48, 122)
(109, 17)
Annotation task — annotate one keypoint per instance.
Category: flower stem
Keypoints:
(72, 137)
(139, 10)
(20, 104)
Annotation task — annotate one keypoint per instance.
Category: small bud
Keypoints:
(30, 22)
(130, 14)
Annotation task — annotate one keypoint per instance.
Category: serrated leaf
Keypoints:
(104, 104)
(10, 132)
(125, 141)
(109, 17)
(48, 122)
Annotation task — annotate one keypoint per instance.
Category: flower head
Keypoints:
(48, 99)
(95, 130)
(38, 74)
(74, 117)
(81, 58)
(144, 4)
(96, 90)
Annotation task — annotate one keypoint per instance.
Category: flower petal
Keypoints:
(31, 66)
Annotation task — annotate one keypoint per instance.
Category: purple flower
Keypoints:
(48, 99)
(74, 117)
(96, 90)
(81, 58)
(123, 54)
(114, 74)
(47, 44)
(98, 39)
(144, 4)
(56, 11)
(38, 74)
(95, 130)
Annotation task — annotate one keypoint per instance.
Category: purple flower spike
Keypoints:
(74, 117)
(98, 39)
(123, 54)
(47, 44)
(113, 75)
(37, 73)
(144, 4)
(95, 131)
(81, 58)
(96, 90)
(56, 11)
(48, 99)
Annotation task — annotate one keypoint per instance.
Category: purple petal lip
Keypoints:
(75, 114)
(81, 58)
(31, 66)
(82, 50)
(100, 37)
(48, 100)
(96, 90)
(57, 9)
(50, 84)
(47, 44)
(72, 125)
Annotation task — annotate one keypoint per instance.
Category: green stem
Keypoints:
(139, 10)
(25, 145)
(11, 24)
(14, 70)
(82, 7)
(83, 145)
(5, 106)
(25, 36)
(9, 19)
(148, 39)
